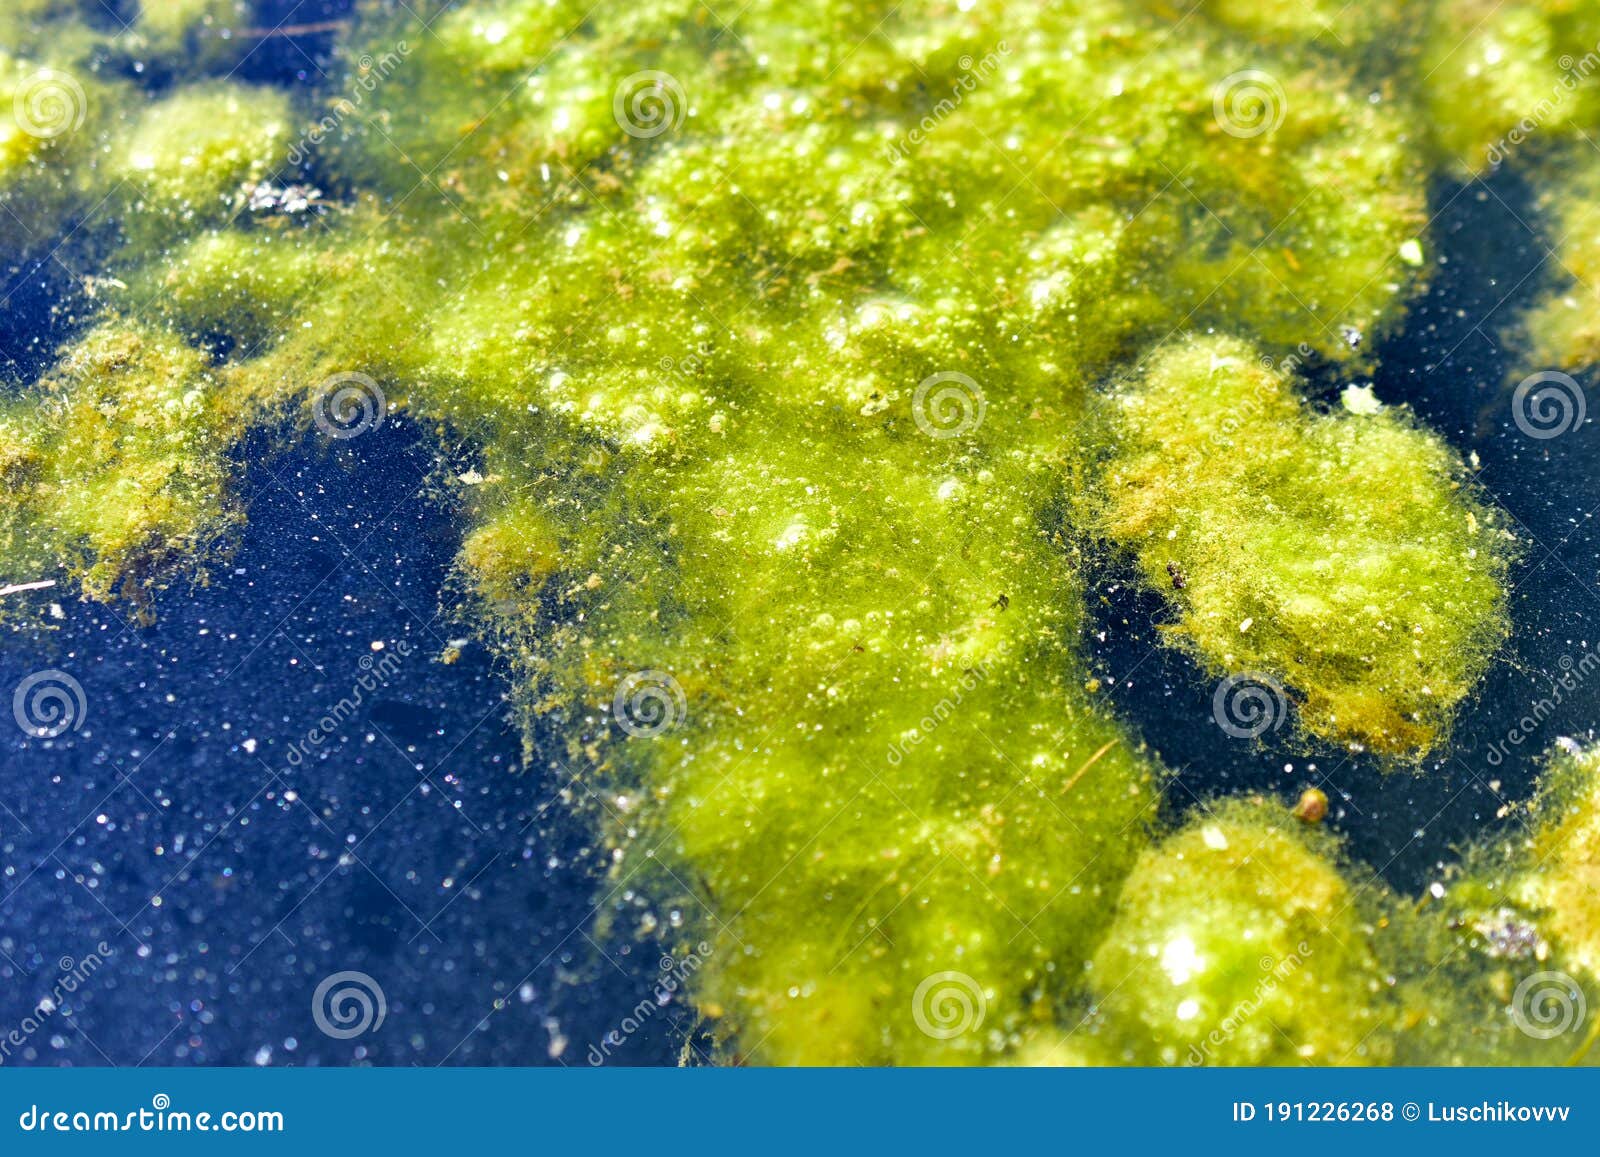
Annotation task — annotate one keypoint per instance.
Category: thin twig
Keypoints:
(292, 30)
(18, 588)
(1090, 762)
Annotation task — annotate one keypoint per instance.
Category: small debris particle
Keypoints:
(1360, 400)
(1312, 807)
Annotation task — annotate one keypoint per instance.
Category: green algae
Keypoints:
(1504, 79)
(810, 365)
(1496, 964)
(1336, 553)
(1546, 868)
(1239, 941)
(1561, 329)
(116, 458)
(180, 166)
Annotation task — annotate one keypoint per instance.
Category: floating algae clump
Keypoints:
(1562, 330)
(114, 462)
(1500, 79)
(776, 344)
(1335, 553)
(1546, 871)
(51, 125)
(1499, 963)
(1238, 942)
(1561, 874)
(183, 162)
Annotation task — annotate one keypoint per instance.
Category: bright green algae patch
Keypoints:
(787, 396)
(1239, 942)
(1336, 553)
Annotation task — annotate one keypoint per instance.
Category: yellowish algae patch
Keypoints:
(48, 164)
(1499, 962)
(1562, 330)
(181, 165)
(1238, 941)
(1562, 881)
(114, 463)
(782, 393)
(1501, 80)
(1336, 553)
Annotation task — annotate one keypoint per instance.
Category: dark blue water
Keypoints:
(229, 878)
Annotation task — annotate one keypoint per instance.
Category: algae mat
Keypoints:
(816, 416)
